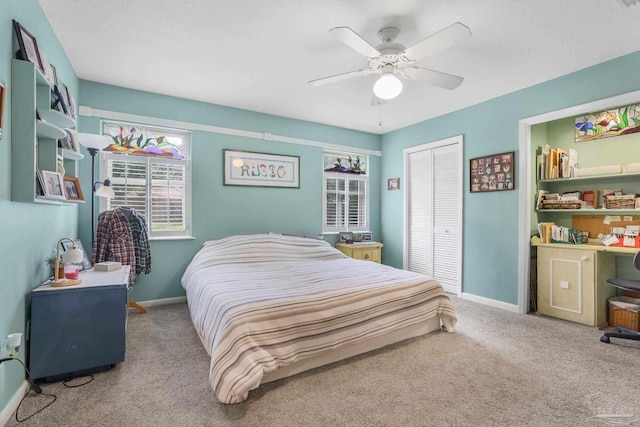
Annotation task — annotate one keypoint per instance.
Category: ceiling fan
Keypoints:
(390, 59)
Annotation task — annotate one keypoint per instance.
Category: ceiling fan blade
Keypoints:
(435, 78)
(339, 77)
(354, 41)
(441, 40)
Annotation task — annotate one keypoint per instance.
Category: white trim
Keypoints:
(490, 302)
(12, 405)
(524, 182)
(114, 115)
(163, 301)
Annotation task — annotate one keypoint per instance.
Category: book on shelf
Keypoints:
(591, 199)
(544, 229)
(555, 162)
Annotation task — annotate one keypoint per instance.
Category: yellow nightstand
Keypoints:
(370, 251)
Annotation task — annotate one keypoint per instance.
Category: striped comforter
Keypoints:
(260, 302)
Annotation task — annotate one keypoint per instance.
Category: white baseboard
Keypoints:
(491, 302)
(163, 301)
(12, 405)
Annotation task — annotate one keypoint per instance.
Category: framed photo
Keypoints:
(346, 237)
(2, 91)
(393, 184)
(54, 75)
(495, 172)
(366, 237)
(72, 189)
(39, 183)
(53, 186)
(66, 244)
(71, 103)
(59, 104)
(261, 170)
(28, 46)
(71, 141)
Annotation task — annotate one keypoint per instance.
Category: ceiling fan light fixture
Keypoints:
(388, 86)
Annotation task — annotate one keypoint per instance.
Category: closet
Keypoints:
(433, 211)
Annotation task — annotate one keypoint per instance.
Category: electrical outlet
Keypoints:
(10, 346)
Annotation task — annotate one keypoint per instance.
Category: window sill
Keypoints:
(172, 238)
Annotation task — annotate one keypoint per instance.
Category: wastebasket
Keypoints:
(625, 312)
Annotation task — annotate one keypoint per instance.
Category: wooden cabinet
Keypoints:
(35, 131)
(364, 251)
(77, 330)
(572, 284)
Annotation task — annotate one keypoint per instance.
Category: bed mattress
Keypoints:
(260, 303)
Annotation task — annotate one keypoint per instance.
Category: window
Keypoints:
(345, 193)
(150, 174)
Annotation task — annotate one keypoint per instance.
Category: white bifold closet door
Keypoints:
(433, 220)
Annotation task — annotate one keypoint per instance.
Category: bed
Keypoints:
(269, 306)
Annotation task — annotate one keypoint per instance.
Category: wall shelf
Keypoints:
(47, 130)
(35, 131)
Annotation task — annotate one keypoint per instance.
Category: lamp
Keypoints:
(105, 189)
(388, 86)
(95, 143)
(71, 256)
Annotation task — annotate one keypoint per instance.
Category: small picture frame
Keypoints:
(393, 184)
(28, 46)
(2, 92)
(53, 185)
(346, 237)
(59, 104)
(39, 183)
(54, 75)
(71, 103)
(72, 189)
(366, 237)
(71, 141)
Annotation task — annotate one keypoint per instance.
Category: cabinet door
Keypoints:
(77, 329)
(566, 284)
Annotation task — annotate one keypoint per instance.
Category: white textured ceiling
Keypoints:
(259, 54)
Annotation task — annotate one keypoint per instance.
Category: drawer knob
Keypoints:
(585, 258)
(366, 256)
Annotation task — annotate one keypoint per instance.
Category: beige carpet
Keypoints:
(498, 369)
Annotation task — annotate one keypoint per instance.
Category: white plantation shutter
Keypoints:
(334, 203)
(345, 203)
(129, 183)
(168, 197)
(156, 187)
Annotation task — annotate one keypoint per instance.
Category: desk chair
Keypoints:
(627, 285)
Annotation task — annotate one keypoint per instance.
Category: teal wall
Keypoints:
(490, 236)
(490, 245)
(28, 232)
(219, 210)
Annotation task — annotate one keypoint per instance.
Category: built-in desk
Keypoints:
(572, 280)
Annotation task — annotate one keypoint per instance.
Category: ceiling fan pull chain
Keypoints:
(380, 119)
